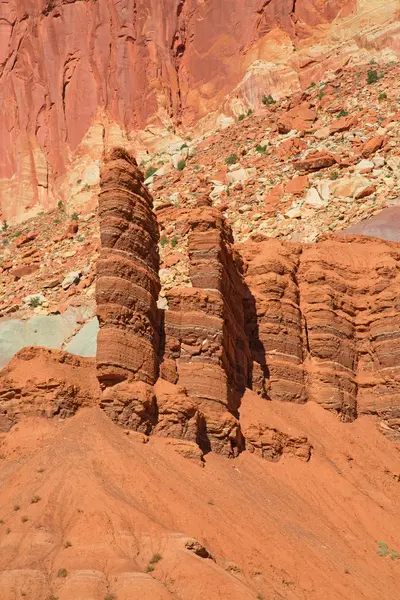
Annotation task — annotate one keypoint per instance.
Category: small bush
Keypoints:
(312, 84)
(67, 544)
(232, 159)
(110, 597)
(321, 94)
(184, 146)
(372, 77)
(174, 242)
(5, 225)
(342, 113)
(60, 205)
(62, 573)
(150, 172)
(261, 149)
(34, 302)
(1, 522)
(335, 175)
(383, 549)
(394, 555)
(35, 499)
(17, 507)
(41, 470)
(268, 100)
(181, 165)
(24, 519)
(74, 216)
(155, 558)
(163, 241)
(249, 112)
(149, 569)
(241, 117)
(382, 96)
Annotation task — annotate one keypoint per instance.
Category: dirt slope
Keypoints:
(109, 503)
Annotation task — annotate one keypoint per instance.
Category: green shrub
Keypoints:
(382, 96)
(268, 99)
(155, 558)
(174, 242)
(261, 149)
(5, 225)
(372, 77)
(74, 216)
(335, 175)
(249, 112)
(34, 302)
(24, 519)
(181, 165)
(231, 159)
(35, 499)
(241, 117)
(383, 549)
(62, 573)
(342, 113)
(60, 205)
(149, 569)
(163, 241)
(150, 172)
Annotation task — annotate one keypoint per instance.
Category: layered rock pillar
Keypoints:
(206, 350)
(127, 287)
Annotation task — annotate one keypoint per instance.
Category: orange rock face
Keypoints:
(65, 65)
(127, 282)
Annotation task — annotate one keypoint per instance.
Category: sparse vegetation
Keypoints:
(181, 165)
(62, 573)
(261, 149)
(5, 225)
(394, 555)
(149, 569)
(110, 597)
(8, 530)
(231, 159)
(342, 113)
(149, 172)
(163, 241)
(184, 146)
(335, 175)
(174, 241)
(1, 522)
(17, 507)
(268, 100)
(34, 302)
(155, 558)
(41, 470)
(35, 499)
(249, 112)
(372, 76)
(74, 216)
(24, 519)
(260, 597)
(241, 117)
(382, 96)
(321, 94)
(383, 549)
(60, 205)
(67, 544)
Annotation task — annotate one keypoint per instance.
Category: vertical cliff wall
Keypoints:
(68, 66)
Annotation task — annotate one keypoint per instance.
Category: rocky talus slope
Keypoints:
(77, 77)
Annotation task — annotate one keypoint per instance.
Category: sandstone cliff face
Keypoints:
(294, 323)
(113, 67)
(327, 324)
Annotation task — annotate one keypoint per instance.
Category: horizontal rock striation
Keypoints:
(326, 327)
(206, 349)
(126, 293)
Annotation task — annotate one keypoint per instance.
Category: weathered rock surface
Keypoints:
(326, 325)
(76, 75)
(127, 275)
(51, 383)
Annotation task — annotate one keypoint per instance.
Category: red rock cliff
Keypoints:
(66, 64)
